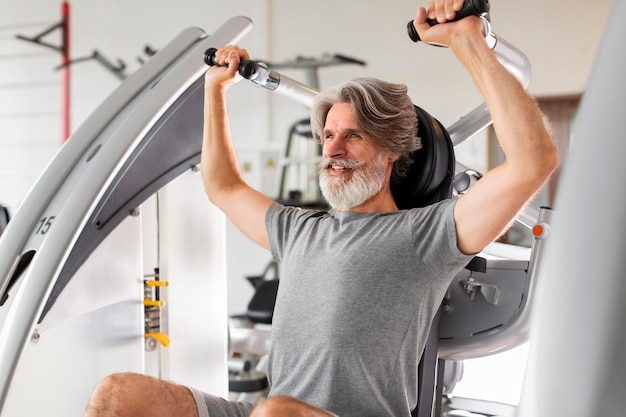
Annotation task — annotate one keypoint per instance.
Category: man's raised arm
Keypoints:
(491, 205)
(221, 175)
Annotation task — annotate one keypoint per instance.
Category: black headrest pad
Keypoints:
(429, 178)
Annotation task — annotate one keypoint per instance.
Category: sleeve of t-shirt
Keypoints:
(278, 222)
(435, 239)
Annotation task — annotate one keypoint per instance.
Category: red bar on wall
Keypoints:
(65, 83)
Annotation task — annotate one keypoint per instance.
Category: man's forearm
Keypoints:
(516, 117)
(219, 165)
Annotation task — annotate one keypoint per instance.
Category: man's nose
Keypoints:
(334, 148)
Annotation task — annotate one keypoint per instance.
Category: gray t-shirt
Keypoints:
(357, 294)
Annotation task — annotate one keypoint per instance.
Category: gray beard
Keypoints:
(364, 183)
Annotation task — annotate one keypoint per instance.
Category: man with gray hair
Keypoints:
(386, 113)
(360, 283)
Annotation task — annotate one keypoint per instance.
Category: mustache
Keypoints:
(344, 163)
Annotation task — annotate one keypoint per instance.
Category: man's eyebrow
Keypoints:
(348, 131)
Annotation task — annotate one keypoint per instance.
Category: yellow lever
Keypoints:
(162, 338)
(153, 303)
(154, 283)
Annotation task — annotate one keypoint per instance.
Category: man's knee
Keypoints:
(279, 406)
(132, 394)
(112, 394)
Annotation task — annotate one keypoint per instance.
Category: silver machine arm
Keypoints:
(259, 73)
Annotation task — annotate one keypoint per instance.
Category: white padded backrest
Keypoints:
(577, 364)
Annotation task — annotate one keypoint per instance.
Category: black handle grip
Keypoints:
(248, 69)
(209, 57)
(470, 8)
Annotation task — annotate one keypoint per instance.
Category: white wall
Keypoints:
(560, 38)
